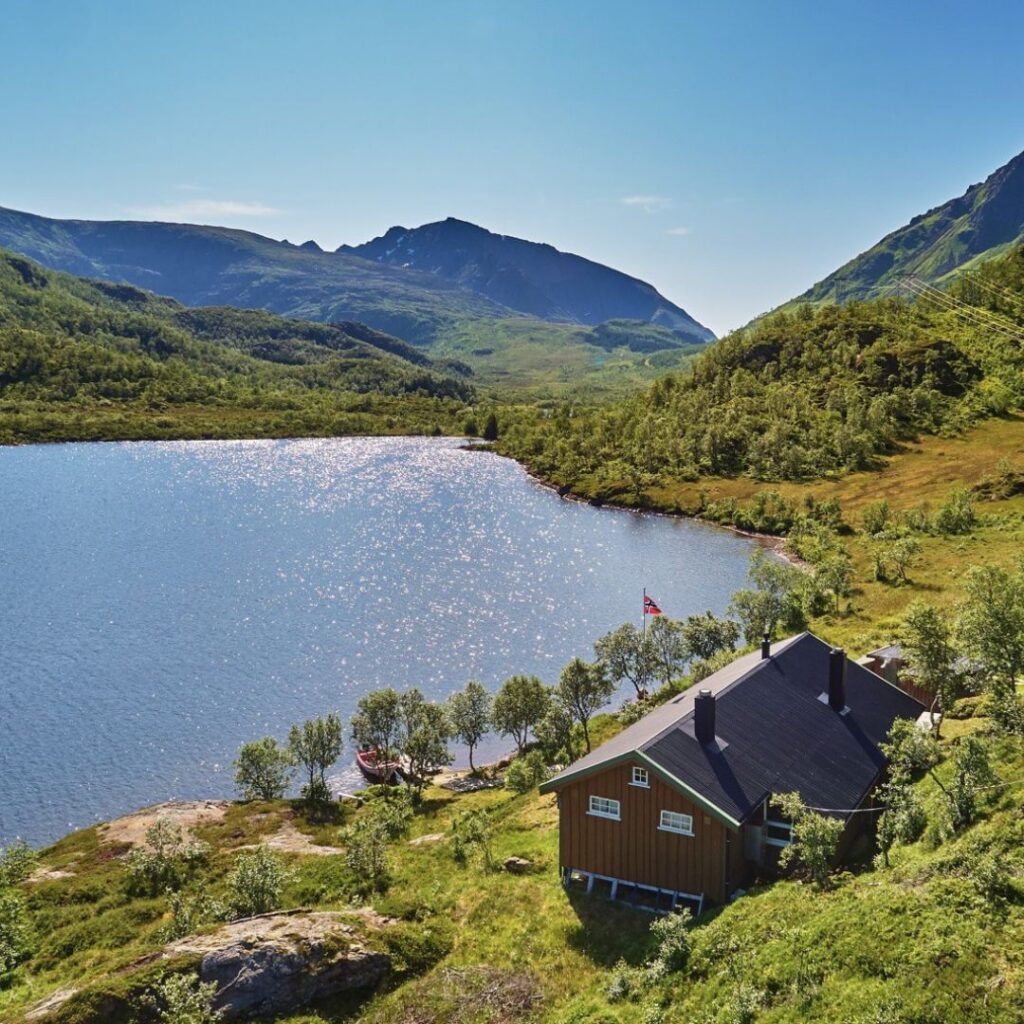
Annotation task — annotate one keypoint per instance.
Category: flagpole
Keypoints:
(643, 612)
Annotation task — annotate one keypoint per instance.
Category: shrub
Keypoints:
(256, 884)
(15, 931)
(956, 514)
(527, 772)
(182, 999)
(471, 834)
(416, 947)
(815, 838)
(673, 934)
(366, 852)
(188, 915)
(166, 861)
(17, 862)
(874, 518)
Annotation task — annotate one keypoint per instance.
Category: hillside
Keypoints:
(528, 276)
(801, 395)
(85, 359)
(984, 222)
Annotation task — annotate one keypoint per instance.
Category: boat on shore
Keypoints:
(376, 769)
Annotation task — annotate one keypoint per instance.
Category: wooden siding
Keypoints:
(634, 849)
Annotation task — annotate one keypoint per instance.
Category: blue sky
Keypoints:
(730, 153)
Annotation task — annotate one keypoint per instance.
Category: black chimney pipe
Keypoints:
(766, 646)
(704, 717)
(837, 679)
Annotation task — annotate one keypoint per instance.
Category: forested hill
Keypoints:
(801, 394)
(69, 346)
(985, 221)
(529, 276)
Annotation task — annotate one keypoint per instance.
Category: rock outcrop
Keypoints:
(279, 962)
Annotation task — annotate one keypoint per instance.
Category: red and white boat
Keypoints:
(374, 768)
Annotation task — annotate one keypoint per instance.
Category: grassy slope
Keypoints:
(528, 359)
(915, 936)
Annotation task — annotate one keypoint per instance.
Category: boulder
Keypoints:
(518, 865)
(276, 963)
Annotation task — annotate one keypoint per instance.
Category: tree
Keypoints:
(904, 818)
(584, 689)
(316, 745)
(627, 653)
(925, 636)
(666, 638)
(775, 600)
(378, 722)
(256, 883)
(427, 731)
(990, 624)
(972, 771)
(518, 706)
(182, 999)
(835, 576)
(554, 732)
(470, 714)
(903, 554)
(491, 428)
(875, 517)
(263, 770)
(705, 635)
(814, 838)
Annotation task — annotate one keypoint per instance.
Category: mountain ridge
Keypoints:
(534, 277)
(984, 222)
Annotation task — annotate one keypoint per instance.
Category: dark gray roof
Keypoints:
(774, 734)
(890, 651)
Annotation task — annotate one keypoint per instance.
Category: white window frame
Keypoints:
(640, 778)
(682, 831)
(601, 807)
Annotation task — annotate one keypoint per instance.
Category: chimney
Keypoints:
(766, 646)
(704, 717)
(837, 679)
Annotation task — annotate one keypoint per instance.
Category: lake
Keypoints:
(161, 603)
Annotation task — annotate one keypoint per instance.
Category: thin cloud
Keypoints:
(192, 208)
(679, 231)
(186, 187)
(649, 204)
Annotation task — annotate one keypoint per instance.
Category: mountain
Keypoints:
(213, 266)
(987, 220)
(531, 277)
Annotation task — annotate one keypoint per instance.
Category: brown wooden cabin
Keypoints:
(676, 808)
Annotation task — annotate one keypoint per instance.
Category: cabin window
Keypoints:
(640, 778)
(602, 807)
(671, 821)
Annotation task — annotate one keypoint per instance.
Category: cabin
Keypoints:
(676, 809)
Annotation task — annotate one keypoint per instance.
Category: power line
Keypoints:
(977, 316)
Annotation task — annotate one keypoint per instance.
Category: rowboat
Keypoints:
(373, 768)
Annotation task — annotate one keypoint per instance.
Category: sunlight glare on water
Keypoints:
(161, 603)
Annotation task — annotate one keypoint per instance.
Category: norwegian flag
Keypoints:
(650, 608)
